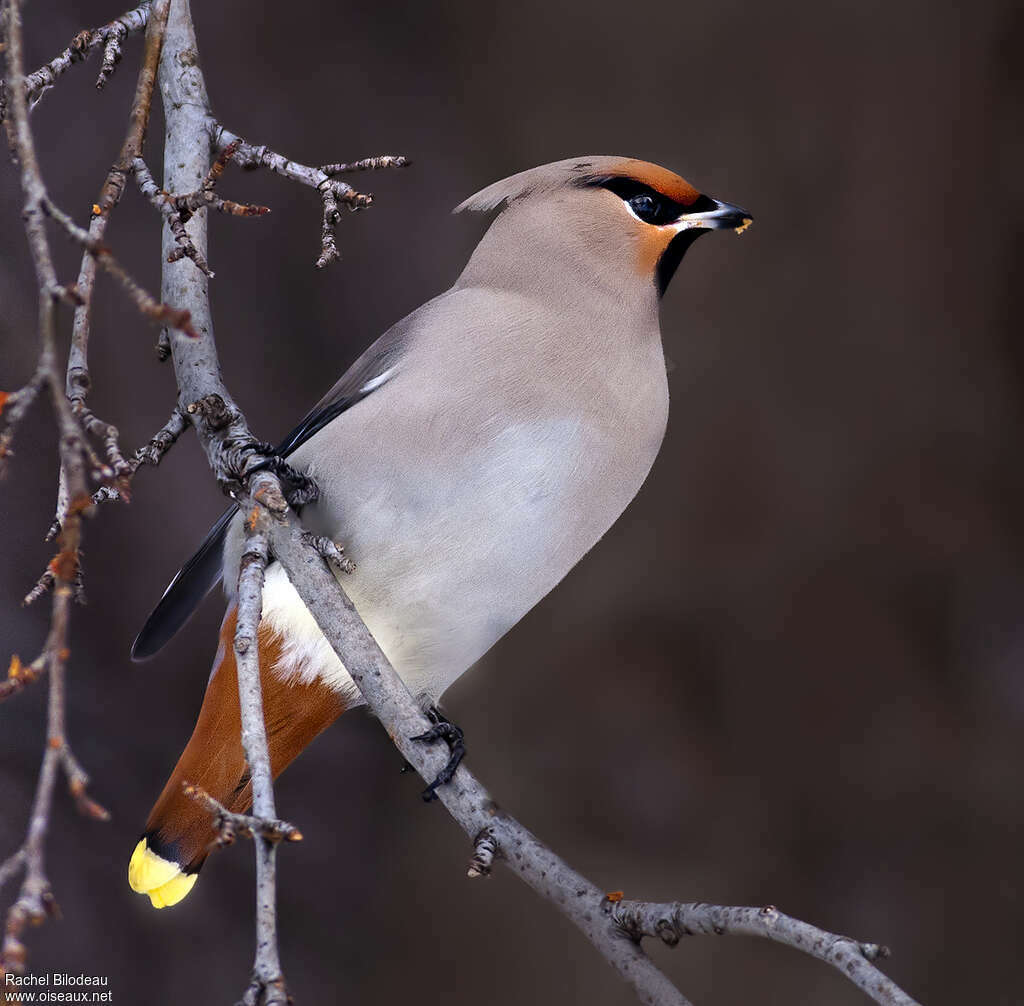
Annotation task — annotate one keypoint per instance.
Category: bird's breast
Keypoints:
(462, 510)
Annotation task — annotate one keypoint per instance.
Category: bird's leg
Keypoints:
(244, 455)
(257, 455)
(453, 737)
(298, 488)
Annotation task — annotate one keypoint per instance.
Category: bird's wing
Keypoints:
(203, 571)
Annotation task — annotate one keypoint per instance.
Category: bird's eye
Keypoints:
(645, 207)
(647, 204)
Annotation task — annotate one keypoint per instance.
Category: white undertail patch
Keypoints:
(305, 655)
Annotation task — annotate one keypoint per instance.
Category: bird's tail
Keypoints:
(179, 832)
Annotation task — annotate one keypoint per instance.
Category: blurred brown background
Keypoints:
(791, 672)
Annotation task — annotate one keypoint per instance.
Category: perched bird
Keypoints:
(467, 461)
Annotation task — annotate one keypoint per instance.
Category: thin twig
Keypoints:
(178, 210)
(333, 193)
(330, 551)
(267, 986)
(120, 488)
(161, 442)
(331, 217)
(78, 781)
(48, 579)
(205, 196)
(367, 164)
(671, 922)
(13, 406)
(19, 675)
(230, 825)
(165, 204)
(78, 381)
(83, 45)
(42, 585)
(158, 312)
(150, 453)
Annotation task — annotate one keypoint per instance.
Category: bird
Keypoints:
(467, 460)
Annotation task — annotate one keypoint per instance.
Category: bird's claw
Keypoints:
(298, 488)
(453, 737)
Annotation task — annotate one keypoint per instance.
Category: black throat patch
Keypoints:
(673, 255)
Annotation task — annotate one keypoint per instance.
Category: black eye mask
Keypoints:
(649, 205)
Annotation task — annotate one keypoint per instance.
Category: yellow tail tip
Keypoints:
(162, 880)
(173, 891)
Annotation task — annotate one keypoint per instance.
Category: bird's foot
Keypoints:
(442, 730)
(298, 489)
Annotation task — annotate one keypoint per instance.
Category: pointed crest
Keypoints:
(580, 171)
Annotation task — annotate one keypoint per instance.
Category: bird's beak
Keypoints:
(724, 216)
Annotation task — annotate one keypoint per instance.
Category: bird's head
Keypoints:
(616, 221)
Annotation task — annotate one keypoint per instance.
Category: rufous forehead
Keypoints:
(668, 183)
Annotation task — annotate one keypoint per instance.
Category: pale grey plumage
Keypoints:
(464, 501)
(488, 440)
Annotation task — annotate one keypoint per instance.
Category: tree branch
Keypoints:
(230, 448)
(332, 192)
(78, 382)
(230, 825)
(13, 406)
(671, 922)
(367, 164)
(178, 210)
(267, 985)
(82, 46)
(35, 900)
(151, 453)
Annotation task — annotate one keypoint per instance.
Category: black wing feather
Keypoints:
(183, 594)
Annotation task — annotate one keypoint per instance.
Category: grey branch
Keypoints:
(35, 901)
(13, 406)
(671, 922)
(230, 825)
(78, 381)
(119, 488)
(108, 38)
(330, 551)
(178, 210)
(151, 453)
(157, 312)
(165, 205)
(267, 985)
(367, 164)
(116, 471)
(230, 448)
(333, 193)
